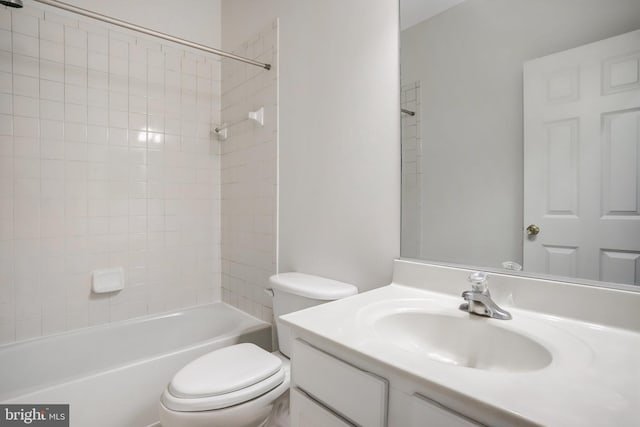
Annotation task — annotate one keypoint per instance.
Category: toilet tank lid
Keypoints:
(309, 286)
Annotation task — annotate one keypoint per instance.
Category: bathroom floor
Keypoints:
(280, 415)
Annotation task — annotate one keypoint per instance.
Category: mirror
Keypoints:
(521, 136)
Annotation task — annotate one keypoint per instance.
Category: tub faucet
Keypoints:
(478, 299)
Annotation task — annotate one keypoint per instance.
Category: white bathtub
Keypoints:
(113, 375)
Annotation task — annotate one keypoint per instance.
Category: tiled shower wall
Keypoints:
(411, 172)
(105, 160)
(249, 177)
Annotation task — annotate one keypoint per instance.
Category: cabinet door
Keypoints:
(357, 395)
(308, 413)
(427, 413)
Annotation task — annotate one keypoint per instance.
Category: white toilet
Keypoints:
(238, 386)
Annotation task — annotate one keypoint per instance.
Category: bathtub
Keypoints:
(113, 375)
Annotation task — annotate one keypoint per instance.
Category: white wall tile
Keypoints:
(25, 45)
(98, 79)
(52, 91)
(118, 48)
(6, 61)
(118, 66)
(28, 328)
(76, 95)
(75, 131)
(172, 59)
(75, 151)
(6, 146)
(53, 129)
(52, 169)
(248, 190)
(98, 43)
(5, 41)
(51, 110)
(50, 70)
(25, 86)
(98, 61)
(84, 176)
(26, 126)
(76, 57)
(51, 51)
(75, 113)
(25, 106)
(118, 119)
(98, 97)
(51, 31)
(137, 53)
(75, 75)
(6, 83)
(6, 124)
(5, 20)
(6, 103)
(28, 168)
(26, 65)
(24, 24)
(24, 148)
(137, 87)
(118, 101)
(97, 134)
(52, 189)
(118, 83)
(97, 115)
(75, 37)
(51, 149)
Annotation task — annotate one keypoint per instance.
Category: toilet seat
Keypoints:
(223, 378)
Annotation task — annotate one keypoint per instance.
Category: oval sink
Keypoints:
(470, 341)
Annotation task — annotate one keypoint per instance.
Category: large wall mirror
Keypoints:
(521, 136)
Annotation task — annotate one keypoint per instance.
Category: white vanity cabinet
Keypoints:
(420, 361)
(353, 396)
(308, 413)
(327, 391)
(415, 410)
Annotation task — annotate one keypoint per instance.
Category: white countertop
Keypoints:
(593, 379)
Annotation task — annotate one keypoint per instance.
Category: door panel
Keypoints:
(582, 161)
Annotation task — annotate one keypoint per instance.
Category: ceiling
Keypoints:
(415, 11)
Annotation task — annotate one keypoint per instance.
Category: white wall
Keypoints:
(339, 149)
(194, 20)
(469, 62)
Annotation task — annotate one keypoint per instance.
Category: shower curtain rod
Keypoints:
(127, 25)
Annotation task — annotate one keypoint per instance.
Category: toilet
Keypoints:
(239, 385)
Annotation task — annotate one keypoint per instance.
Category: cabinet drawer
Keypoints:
(307, 413)
(359, 396)
(428, 413)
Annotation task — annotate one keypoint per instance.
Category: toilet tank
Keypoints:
(297, 291)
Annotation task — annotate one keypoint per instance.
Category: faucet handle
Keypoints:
(478, 281)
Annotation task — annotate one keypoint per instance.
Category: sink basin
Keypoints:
(467, 341)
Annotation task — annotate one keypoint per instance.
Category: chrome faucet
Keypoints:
(478, 299)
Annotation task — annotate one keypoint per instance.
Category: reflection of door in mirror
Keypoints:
(582, 161)
(468, 58)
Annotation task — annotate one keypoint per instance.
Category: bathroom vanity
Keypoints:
(405, 355)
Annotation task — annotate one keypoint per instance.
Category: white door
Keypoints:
(582, 161)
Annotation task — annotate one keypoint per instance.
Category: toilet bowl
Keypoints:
(240, 385)
(235, 386)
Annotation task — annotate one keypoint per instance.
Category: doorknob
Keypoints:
(533, 230)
